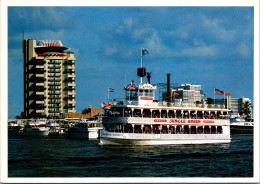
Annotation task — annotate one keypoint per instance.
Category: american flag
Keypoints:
(219, 92)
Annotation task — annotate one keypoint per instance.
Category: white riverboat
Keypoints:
(85, 129)
(141, 120)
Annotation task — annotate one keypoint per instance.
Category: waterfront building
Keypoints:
(234, 104)
(49, 79)
(187, 94)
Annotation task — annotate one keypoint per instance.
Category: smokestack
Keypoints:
(148, 77)
(132, 82)
(168, 96)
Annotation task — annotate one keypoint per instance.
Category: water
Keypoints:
(59, 157)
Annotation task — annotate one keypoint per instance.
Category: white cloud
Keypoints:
(199, 51)
(128, 23)
(216, 31)
(243, 50)
(138, 34)
(110, 51)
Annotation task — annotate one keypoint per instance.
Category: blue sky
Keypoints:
(210, 46)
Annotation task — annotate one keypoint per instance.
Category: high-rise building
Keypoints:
(234, 104)
(49, 79)
(187, 94)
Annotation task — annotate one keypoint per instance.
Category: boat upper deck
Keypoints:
(168, 106)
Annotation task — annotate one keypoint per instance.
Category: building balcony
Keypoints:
(68, 71)
(72, 76)
(54, 102)
(68, 88)
(71, 93)
(72, 102)
(39, 111)
(53, 88)
(69, 80)
(39, 93)
(54, 105)
(54, 66)
(71, 111)
(54, 97)
(68, 62)
(39, 75)
(72, 84)
(71, 67)
(39, 102)
(66, 97)
(54, 110)
(39, 84)
(53, 83)
(54, 80)
(54, 70)
(39, 66)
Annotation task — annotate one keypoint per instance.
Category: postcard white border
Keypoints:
(4, 87)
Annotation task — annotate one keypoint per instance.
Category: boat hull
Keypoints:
(161, 139)
(241, 129)
(35, 133)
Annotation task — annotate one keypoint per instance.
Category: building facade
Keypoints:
(49, 79)
(234, 104)
(187, 94)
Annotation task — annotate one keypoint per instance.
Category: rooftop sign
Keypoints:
(49, 43)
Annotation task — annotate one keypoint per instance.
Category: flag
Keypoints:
(144, 51)
(111, 90)
(219, 92)
(202, 94)
(105, 106)
(176, 94)
(132, 88)
(227, 93)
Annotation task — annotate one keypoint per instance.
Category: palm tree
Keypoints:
(246, 109)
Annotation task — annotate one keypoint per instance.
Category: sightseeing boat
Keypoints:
(142, 120)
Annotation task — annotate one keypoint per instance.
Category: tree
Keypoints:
(246, 109)
(17, 117)
(85, 111)
(209, 101)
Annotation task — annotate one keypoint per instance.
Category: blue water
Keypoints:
(59, 157)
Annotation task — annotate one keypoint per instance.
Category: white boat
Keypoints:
(85, 130)
(36, 128)
(141, 120)
(14, 129)
(239, 125)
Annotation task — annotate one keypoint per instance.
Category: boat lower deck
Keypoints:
(115, 138)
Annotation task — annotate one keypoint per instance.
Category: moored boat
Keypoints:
(239, 125)
(85, 129)
(36, 128)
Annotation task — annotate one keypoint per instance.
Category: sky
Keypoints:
(208, 46)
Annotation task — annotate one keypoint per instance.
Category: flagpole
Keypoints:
(141, 78)
(214, 96)
(107, 94)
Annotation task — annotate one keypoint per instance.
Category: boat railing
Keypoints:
(163, 136)
(167, 104)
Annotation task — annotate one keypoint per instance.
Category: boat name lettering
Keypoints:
(146, 98)
(186, 121)
(160, 120)
(208, 121)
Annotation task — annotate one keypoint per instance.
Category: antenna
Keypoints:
(23, 40)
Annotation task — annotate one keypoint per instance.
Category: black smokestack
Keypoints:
(168, 96)
(148, 77)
